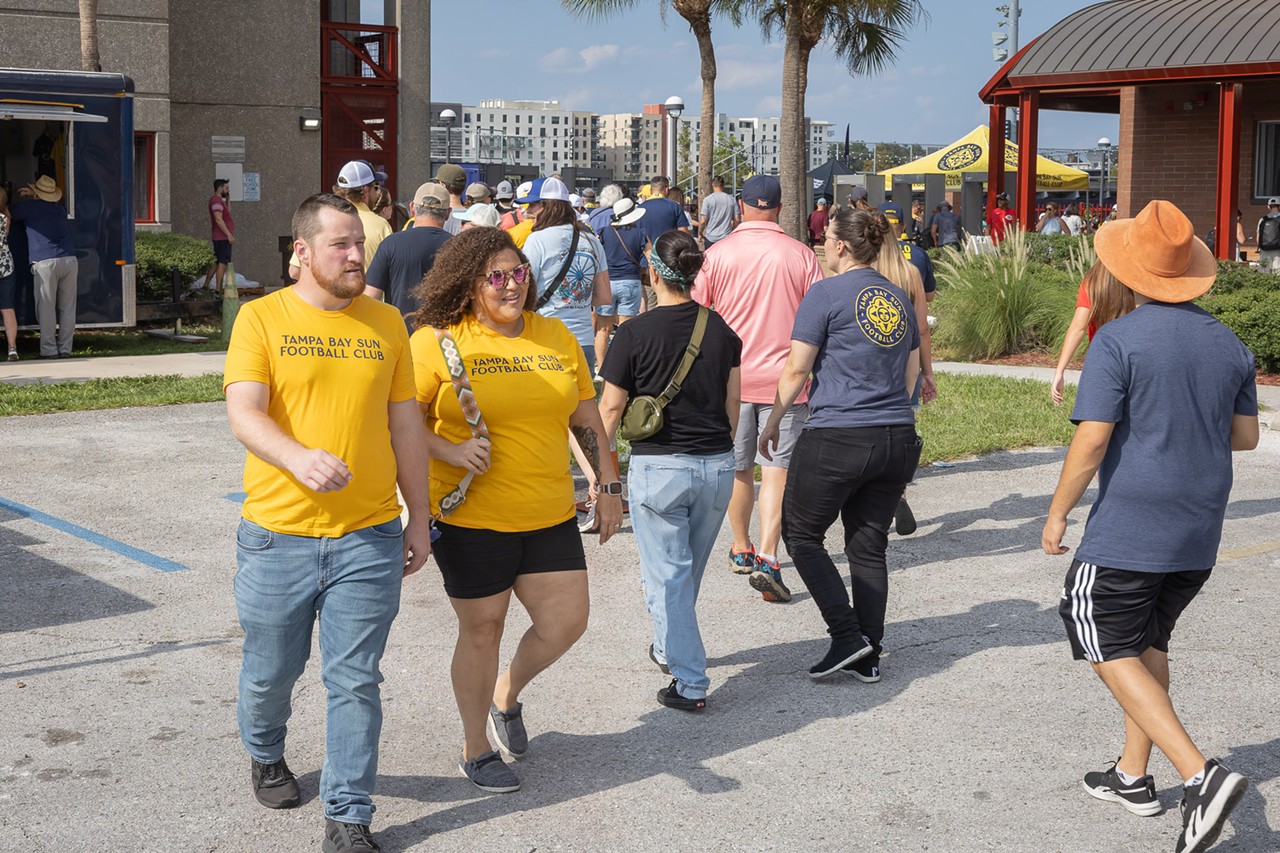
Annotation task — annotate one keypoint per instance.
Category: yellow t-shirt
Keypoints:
(526, 388)
(520, 232)
(331, 375)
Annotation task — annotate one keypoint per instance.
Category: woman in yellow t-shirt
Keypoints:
(516, 528)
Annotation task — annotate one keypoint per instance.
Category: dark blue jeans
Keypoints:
(857, 475)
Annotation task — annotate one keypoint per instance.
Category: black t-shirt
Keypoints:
(645, 353)
(400, 263)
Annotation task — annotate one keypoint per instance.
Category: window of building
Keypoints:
(466, 118)
(144, 177)
(542, 131)
(555, 119)
(543, 119)
(504, 118)
(1266, 161)
(490, 118)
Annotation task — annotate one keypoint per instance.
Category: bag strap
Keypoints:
(622, 243)
(470, 412)
(564, 270)
(686, 363)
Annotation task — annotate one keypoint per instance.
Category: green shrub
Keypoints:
(993, 305)
(1254, 315)
(1234, 277)
(1060, 251)
(158, 253)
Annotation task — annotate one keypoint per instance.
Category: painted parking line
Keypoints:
(105, 542)
(1256, 550)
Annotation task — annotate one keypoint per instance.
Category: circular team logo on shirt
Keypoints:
(959, 157)
(881, 316)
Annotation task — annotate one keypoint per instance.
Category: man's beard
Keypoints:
(343, 286)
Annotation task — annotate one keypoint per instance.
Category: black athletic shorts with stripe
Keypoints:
(1118, 613)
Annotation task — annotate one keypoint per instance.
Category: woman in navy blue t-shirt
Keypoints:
(857, 334)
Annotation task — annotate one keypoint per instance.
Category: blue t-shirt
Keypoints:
(624, 247)
(897, 209)
(948, 227)
(660, 216)
(46, 224)
(571, 301)
(599, 219)
(920, 259)
(865, 329)
(1170, 377)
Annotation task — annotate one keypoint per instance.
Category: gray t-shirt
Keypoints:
(719, 208)
(865, 329)
(1170, 377)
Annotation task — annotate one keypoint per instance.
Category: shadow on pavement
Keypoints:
(672, 743)
(1260, 763)
(40, 593)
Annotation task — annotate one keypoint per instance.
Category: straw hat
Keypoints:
(46, 188)
(1157, 254)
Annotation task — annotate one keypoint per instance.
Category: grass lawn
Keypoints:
(100, 342)
(972, 414)
(981, 414)
(108, 394)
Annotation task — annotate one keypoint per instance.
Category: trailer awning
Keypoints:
(45, 112)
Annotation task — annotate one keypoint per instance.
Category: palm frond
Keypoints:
(598, 10)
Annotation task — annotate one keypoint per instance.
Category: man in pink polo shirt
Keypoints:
(755, 278)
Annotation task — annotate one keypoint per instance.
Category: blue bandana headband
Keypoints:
(665, 272)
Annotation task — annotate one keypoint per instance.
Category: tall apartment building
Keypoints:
(518, 133)
(760, 137)
(631, 145)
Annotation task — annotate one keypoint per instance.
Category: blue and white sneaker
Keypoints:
(767, 578)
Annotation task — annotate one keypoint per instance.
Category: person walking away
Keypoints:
(406, 256)
(856, 334)
(501, 486)
(623, 242)
(1100, 300)
(454, 178)
(661, 215)
(503, 196)
(818, 223)
(317, 543)
(1269, 236)
(681, 477)
(600, 218)
(223, 228)
(945, 229)
(755, 279)
(717, 216)
(53, 264)
(8, 280)
(1167, 394)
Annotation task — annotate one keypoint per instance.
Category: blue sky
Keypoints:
(929, 96)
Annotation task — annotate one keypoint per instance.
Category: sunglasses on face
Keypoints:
(498, 278)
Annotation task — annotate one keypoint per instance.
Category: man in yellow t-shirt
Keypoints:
(320, 391)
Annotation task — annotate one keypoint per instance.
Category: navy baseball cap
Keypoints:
(763, 192)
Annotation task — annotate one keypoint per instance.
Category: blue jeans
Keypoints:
(626, 298)
(677, 505)
(352, 584)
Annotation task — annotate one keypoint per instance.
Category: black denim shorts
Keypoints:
(477, 563)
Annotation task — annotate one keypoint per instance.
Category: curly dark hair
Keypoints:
(446, 292)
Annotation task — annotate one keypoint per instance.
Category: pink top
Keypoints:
(755, 279)
(216, 203)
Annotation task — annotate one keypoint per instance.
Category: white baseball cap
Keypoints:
(356, 174)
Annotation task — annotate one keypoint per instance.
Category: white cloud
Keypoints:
(564, 61)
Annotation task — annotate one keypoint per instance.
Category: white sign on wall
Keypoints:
(253, 186)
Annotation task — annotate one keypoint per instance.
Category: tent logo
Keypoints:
(960, 157)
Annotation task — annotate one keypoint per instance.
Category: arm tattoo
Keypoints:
(590, 447)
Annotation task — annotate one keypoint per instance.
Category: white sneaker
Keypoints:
(588, 523)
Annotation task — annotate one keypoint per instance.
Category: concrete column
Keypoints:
(413, 162)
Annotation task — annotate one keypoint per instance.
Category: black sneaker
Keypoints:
(904, 520)
(506, 729)
(1137, 798)
(342, 837)
(662, 665)
(1206, 806)
(275, 786)
(671, 697)
(842, 653)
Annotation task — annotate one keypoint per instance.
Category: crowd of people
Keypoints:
(468, 367)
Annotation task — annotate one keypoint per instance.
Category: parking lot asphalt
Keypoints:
(119, 653)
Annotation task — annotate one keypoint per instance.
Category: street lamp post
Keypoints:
(675, 107)
(1105, 144)
(448, 117)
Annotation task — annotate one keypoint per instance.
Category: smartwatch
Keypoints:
(614, 488)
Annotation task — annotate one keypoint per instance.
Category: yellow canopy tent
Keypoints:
(970, 155)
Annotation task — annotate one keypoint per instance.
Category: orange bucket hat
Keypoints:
(1157, 254)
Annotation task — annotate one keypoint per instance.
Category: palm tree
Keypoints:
(698, 14)
(864, 33)
(89, 60)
